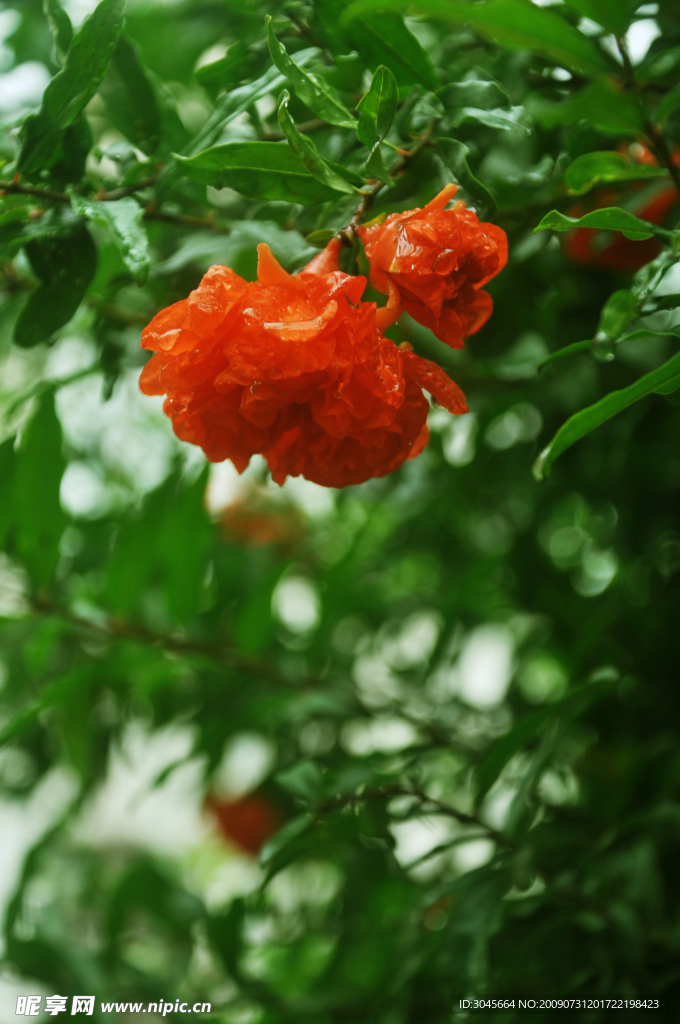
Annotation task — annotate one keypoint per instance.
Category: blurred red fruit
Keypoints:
(248, 821)
(612, 250)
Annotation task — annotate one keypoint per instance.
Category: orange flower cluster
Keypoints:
(607, 250)
(296, 368)
(433, 263)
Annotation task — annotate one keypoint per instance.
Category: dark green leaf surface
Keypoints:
(64, 267)
(39, 521)
(515, 23)
(311, 89)
(306, 152)
(591, 169)
(7, 462)
(620, 308)
(62, 30)
(260, 170)
(612, 111)
(483, 95)
(613, 15)
(377, 107)
(130, 98)
(69, 91)
(455, 156)
(611, 218)
(595, 415)
(382, 38)
(123, 218)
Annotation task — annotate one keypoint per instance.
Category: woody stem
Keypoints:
(348, 233)
(655, 136)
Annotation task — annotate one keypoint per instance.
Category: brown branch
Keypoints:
(655, 136)
(49, 195)
(185, 220)
(661, 150)
(117, 628)
(348, 234)
(436, 806)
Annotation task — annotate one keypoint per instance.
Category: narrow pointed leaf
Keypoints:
(61, 26)
(513, 23)
(377, 108)
(591, 169)
(130, 98)
(73, 87)
(306, 152)
(310, 88)
(259, 170)
(123, 218)
(455, 154)
(38, 516)
(595, 415)
(610, 218)
(64, 267)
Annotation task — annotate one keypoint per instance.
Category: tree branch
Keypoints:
(49, 195)
(435, 806)
(348, 234)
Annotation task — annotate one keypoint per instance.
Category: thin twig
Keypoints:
(49, 195)
(117, 628)
(435, 806)
(655, 136)
(348, 234)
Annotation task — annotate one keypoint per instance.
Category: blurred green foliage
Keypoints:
(466, 678)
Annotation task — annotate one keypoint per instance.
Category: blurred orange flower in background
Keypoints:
(611, 250)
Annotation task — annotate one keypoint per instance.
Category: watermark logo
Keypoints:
(30, 1006)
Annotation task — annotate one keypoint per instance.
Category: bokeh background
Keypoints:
(322, 755)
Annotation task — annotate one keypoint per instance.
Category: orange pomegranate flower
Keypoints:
(433, 263)
(292, 367)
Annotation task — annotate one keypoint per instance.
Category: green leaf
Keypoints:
(259, 170)
(377, 108)
(71, 88)
(609, 109)
(65, 267)
(7, 463)
(513, 23)
(610, 218)
(39, 520)
(503, 119)
(306, 152)
(483, 95)
(455, 154)
(228, 107)
(590, 169)
(123, 218)
(595, 415)
(303, 779)
(168, 540)
(528, 727)
(376, 166)
(130, 98)
(286, 835)
(311, 89)
(61, 27)
(620, 308)
(668, 105)
(226, 72)
(613, 15)
(319, 239)
(381, 38)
